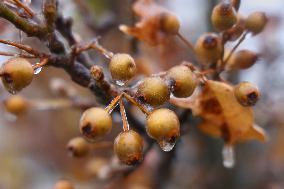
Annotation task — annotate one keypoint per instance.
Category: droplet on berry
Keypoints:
(163, 125)
(122, 68)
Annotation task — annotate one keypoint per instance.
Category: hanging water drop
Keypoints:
(37, 70)
(167, 146)
(120, 83)
(228, 153)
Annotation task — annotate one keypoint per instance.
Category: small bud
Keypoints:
(78, 147)
(122, 67)
(208, 48)
(153, 91)
(128, 146)
(63, 184)
(242, 59)
(16, 105)
(223, 16)
(246, 93)
(97, 72)
(95, 123)
(169, 23)
(256, 22)
(17, 73)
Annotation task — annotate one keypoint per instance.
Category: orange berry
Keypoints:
(256, 22)
(16, 105)
(246, 93)
(169, 23)
(78, 147)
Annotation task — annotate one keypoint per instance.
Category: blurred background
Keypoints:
(33, 146)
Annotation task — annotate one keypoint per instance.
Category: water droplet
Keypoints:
(228, 153)
(37, 70)
(167, 146)
(120, 83)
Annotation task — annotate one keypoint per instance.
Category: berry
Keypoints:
(122, 67)
(17, 73)
(246, 93)
(128, 146)
(169, 23)
(163, 125)
(223, 16)
(78, 147)
(183, 81)
(63, 184)
(95, 123)
(242, 59)
(16, 105)
(208, 48)
(256, 22)
(154, 91)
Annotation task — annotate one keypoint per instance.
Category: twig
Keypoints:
(41, 63)
(183, 39)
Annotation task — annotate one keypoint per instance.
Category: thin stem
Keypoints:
(95, 45)
(183, 39)
(41, 63)
(16, 55)
(123, 116)
(25, 7)
(113, 103)
(236, 46)
(133, 101)
(26, 48)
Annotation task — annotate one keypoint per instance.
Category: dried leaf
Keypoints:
(224, 116)
(148, 28)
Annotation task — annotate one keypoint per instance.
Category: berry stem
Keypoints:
(41, 63)
(235, 47)
(25, 7)
(26, 48)
(17, 55)
(185, 41)
(134, 102)
(113, 103)
(123, 115)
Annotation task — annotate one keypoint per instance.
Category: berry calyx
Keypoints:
(154, 91)
(78, 147)
(256, 22)
(128, 146)
(16, 105)
(223, 16)
(208, 48)
(95, 123)
(122, 67)
(163, 125)
(246, 93)
(182, 81)
(169, 23)
(17, 73)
